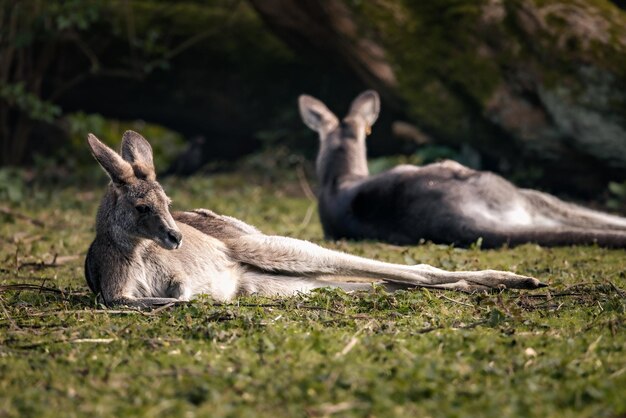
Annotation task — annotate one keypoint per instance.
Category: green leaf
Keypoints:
(618, 189)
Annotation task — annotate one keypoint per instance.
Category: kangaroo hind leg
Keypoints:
(291, 257)
(572, 215)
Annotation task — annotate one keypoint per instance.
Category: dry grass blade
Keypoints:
(617, 289)
(353, 340)
(30, 287)
(17, 215)
(327, 409)
(57, 261)
(457, 301)
(8, 316)
(15, 287)
(304, 184)
(94, 340)
(468, 326)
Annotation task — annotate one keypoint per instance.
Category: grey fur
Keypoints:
(444, 202)
(141, 258)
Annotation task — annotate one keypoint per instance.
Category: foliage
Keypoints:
(166, 144)
(617, 200)
(49, 48)
(29, 34)
(557, 352)
(11, 185)
(15, 95)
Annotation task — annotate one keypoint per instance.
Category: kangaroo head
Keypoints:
(138, 208)
(342, 145)
(357, 124)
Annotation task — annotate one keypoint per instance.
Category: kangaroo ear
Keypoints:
(138, 152)
(118, 170)
(367, 106)
(316, 115)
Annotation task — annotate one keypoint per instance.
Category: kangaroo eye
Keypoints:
(143, 209)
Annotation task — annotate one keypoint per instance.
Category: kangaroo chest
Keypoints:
(200, 266)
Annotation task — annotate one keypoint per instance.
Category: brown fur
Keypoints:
(143, 255)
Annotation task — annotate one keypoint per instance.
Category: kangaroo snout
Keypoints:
(173, 239)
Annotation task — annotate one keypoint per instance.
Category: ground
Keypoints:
(555, 352)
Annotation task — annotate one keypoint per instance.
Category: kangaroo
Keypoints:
(444, 202)
(145, 255)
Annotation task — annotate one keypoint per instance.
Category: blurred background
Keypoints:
(532, 89)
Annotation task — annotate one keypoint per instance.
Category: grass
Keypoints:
(557, 352)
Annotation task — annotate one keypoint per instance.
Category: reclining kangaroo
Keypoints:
(444, 202)
(144, 255)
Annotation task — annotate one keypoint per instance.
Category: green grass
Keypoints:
(558, 352)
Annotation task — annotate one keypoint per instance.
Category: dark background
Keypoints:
(535, 90)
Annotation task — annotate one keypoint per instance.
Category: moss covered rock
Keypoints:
(539, 82)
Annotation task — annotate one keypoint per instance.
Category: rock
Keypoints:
(527, 83)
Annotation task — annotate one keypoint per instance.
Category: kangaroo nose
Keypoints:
(175, 237)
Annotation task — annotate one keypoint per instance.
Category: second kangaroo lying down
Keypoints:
(444, 202)
(144, 255)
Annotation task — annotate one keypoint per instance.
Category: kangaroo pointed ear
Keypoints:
(118, 170)
(316, 115)
(367, 106)
(138, 152)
